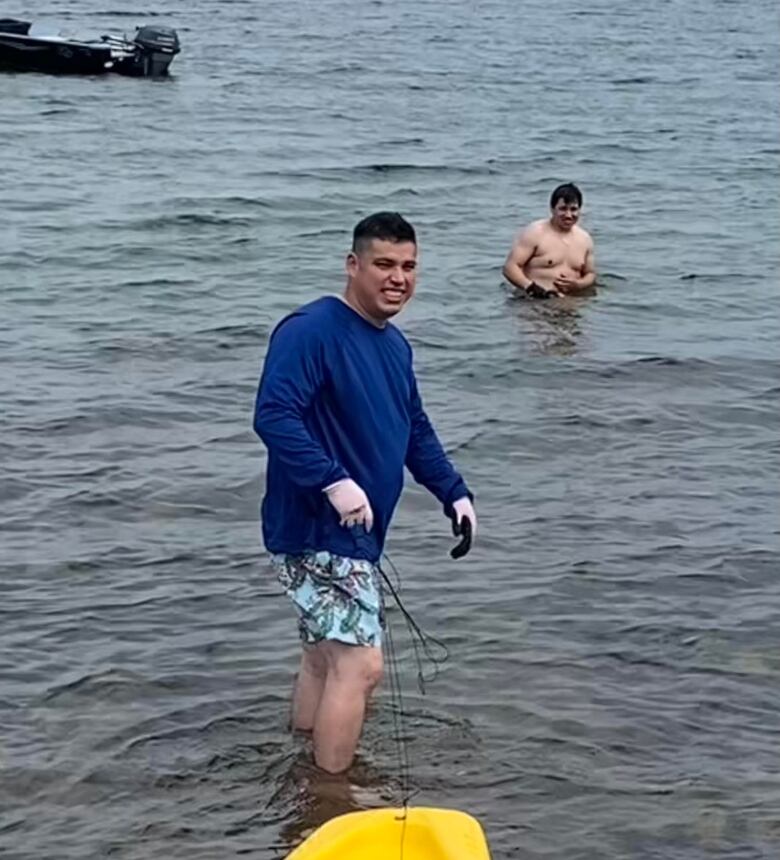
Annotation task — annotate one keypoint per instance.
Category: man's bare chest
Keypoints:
(558, 252)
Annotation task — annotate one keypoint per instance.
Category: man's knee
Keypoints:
(373, 666)
(314, 662)
(360, 665)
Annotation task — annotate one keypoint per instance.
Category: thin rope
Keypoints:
(397, 709)
(421, 641)
(423, 645)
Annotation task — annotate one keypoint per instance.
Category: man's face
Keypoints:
(382, 276)
(565, 215)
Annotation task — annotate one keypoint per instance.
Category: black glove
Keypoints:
(537, 292)
(464, 532)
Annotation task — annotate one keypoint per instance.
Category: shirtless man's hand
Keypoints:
(553, 257)
(566, 284)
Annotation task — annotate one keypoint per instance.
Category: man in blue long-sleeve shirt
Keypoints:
(340, 414)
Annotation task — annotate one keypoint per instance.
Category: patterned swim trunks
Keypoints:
(336, 597)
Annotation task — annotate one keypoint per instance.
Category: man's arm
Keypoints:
(427, 460)
(519, 255)
(588, 278)
(292, 375)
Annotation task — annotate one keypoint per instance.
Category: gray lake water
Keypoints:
(613, 687)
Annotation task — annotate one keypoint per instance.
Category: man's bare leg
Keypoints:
(308, 688)
(352, 673)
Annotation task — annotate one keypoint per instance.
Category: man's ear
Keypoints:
(351, 263)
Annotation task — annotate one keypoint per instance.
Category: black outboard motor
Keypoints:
(156, 48)
(15, 26)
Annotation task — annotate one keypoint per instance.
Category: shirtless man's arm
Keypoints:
(520, 254)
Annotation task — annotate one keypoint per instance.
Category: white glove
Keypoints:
(351, 504)
(464, 508)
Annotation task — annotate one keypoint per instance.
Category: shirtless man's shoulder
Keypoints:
(535, 228)
(542, 229)
(581, 233)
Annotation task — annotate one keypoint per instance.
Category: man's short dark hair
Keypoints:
(568, 192)
(386, 226)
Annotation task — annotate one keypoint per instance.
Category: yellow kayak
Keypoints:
(415, 833)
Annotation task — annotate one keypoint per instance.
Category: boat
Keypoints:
(148, 53)
(413, 833)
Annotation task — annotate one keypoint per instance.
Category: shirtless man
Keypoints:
(553, 257)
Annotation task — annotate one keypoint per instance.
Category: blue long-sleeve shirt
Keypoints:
(338, 399)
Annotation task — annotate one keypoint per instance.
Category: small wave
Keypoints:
(117, 13)
(672, 361)
(104, 684)
(665, 360)
(233, 200)
(249, 332)
(393, 169)
(187, 219)
(639, 79)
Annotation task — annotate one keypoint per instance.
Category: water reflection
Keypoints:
(311, 797)
(553, 326)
